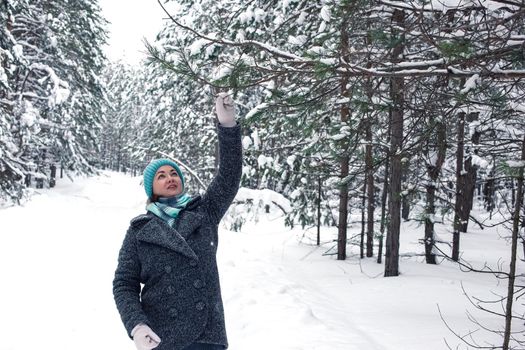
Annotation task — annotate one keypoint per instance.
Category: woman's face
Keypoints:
(167, 182)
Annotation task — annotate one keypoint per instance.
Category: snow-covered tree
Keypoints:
(11, 170)
(319, 69)
(51, 59)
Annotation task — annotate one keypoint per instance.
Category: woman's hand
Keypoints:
(225, 109)
(144, 337)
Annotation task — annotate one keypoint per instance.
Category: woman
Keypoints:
(171, 250)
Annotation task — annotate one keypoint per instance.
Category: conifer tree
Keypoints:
(11, 171)
(53, 94)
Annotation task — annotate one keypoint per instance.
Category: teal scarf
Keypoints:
(168, 209)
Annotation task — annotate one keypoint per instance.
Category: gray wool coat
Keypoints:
(181, 296)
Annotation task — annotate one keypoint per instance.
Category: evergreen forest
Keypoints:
(365, 112)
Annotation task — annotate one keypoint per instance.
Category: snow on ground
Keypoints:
(58, 254)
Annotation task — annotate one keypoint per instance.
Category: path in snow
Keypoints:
(58, 254)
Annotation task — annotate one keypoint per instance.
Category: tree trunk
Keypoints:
(369, 158)
(396, 121)
(470, 176)
(369, 163)
(458, 207)
(394, 202)
(343, 212)
(522, 236)
(433, 174)
(469, 184)
(384, 197)
(405, 198)
(405, 206)
(319, 184)
(488, 192)
(363, 222)
(430, 257)
(343, 191)
(512, 272)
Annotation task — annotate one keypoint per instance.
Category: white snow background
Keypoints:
(58, 254)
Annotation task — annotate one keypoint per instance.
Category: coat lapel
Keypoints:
(187, 222)
(158, 232)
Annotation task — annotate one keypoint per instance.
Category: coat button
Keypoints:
(193, 263)
(200, 306)
(173, 312)
(167, 269)
(198, 284)
(170, 290)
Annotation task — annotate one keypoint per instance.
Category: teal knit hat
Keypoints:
(151, 170)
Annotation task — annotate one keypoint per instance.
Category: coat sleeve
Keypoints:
(126, 284)
(225, 184)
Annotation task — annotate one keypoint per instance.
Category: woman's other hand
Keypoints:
(144, 337)
(225, 108)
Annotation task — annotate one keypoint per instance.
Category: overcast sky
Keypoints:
(131, 21)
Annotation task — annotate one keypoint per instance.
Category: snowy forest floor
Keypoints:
(58, 253)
